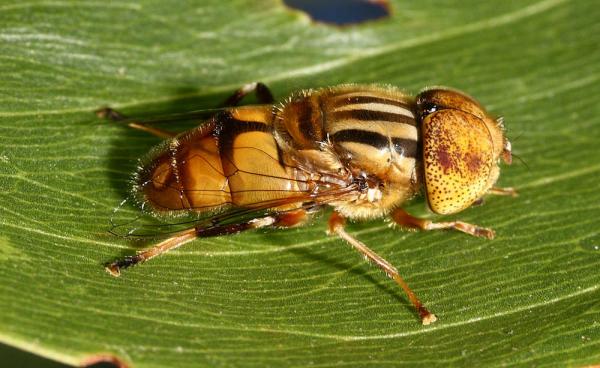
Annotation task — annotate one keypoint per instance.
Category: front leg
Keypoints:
(403, 218)
(512, 192)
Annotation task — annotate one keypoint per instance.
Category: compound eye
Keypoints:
(458, 156)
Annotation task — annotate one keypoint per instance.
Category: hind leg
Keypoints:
(283, 219)
(114, 115)
(262, 92)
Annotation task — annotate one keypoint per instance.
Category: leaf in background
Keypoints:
(296, 297)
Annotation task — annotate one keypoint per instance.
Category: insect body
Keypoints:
(363, 150)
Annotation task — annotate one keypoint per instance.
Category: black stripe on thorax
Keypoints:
(405, 147)
(371, 115)
(306, 125)
(371, 99)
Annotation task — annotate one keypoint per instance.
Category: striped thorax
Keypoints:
(366, 134)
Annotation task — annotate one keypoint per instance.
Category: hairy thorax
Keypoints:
(364, 138)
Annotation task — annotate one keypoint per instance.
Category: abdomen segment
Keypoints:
(231, 160)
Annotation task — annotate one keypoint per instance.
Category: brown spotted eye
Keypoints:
(457, 159)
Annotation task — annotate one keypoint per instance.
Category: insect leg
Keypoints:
(114, 268)
(403, 218)
(336, 225)
(286, 219)
(263, 94)
(503, 191)
(114, 115)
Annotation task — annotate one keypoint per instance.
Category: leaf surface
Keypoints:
(296, 297)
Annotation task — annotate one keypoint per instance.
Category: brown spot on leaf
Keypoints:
(103, 361)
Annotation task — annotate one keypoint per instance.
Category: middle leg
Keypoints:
(336, 226)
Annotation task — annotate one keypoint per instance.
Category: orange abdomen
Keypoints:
(231, 160)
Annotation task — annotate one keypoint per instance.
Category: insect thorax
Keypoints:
(365, 134)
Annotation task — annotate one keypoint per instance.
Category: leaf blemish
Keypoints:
(342, 12)
(8, 252)
(103, 361)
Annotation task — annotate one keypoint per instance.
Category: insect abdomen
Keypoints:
(185, 172)
(231, 160)
(252, 160)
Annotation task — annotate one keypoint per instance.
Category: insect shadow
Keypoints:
(353, 265)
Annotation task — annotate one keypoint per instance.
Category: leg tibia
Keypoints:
(284, 219)
(503, 191)
(403, 218)
(336, 226)
(114, 115)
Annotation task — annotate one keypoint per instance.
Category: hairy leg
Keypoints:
(336, 226)
(284, 219)
(403, 218)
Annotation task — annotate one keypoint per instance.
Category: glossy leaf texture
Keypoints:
(531, 297)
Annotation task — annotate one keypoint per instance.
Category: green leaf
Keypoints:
(296, 297)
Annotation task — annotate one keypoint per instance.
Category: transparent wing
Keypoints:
(264, 191)
(129, 224)
(227, 170)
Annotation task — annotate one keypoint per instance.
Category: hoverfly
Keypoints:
(362, 149)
